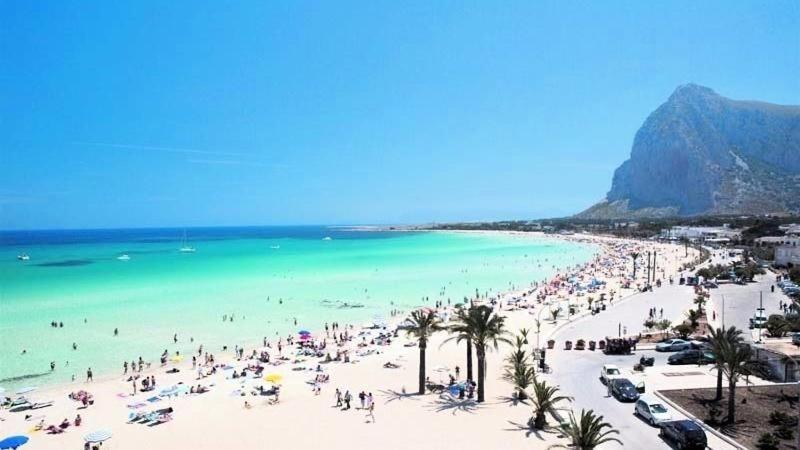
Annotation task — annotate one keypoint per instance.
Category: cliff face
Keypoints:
(701, 153)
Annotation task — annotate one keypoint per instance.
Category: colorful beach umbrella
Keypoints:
(303, 332)
(274, 378)
(13, 442)
(97, 436)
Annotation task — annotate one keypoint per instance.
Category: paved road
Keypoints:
(579, 376)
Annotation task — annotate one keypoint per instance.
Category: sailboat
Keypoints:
(124, 257)
(185, 248)
(23, 257)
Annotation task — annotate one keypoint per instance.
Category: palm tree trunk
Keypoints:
(422, 369)
(481, 372)
(731, 402)
(719, 384)
(469, 359)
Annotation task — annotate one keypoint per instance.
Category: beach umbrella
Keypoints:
(305, 337)
(303, 332)
(274, 378)
(97, 436)
(177, 358)
(25, 390)
(13, 442)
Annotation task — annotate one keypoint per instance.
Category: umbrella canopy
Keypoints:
(13, 442)
(274, 378)
(305, 337)
(25, 390)
(98, 436)
(303, 332)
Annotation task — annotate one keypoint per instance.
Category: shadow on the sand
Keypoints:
(512, 400)
(531, 431)
(392, 395)
(447, 402)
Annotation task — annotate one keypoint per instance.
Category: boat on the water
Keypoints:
(275, 247)
(23, 257)
(124, 257)
(327, 238)
(185, 247)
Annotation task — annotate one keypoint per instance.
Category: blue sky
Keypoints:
(184, 113)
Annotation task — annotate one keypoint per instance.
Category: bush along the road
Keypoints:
(768, 441)
(777, 326)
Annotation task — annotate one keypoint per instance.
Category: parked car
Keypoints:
(652, 410)
(623, 390)
(608, 372)
(796, 339)
(691, 356)
(686, 434)
(673, 345)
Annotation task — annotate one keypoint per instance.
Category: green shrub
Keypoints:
(768, 441)
(777, 326)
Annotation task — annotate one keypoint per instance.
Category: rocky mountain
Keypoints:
(701, 153)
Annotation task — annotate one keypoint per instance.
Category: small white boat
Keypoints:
(124, 257)
(275, 247)
(185, 248)
(327, 238)
(23, 257)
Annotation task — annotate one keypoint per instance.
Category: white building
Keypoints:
(788, 252)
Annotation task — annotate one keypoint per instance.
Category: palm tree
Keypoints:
(700, 301)
(736, 362)
(634, 255)
(587, 433)
(519, 371)
(486, 330)
(544, 400)
(721, 339)
(421, 325)
(461, 333)
(694, 318)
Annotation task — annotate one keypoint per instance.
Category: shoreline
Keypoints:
(196, 417)
(385, 312)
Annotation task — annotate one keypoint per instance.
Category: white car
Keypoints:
(673, 345)
(609, 371)
(652, 410)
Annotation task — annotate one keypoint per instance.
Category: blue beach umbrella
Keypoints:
(97, 436)
(303, 332)
(13, 442)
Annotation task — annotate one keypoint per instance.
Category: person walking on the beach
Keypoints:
(125, 368)
(347, 398)
(371, 412)
(134, 386)
(338, 398)
(363, 398)
(89, 375)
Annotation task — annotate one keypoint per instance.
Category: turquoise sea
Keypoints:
(265, 277)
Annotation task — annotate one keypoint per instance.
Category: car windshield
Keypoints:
(658, 408)
(612, 371)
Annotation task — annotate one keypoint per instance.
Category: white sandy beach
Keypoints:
(218, 419)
